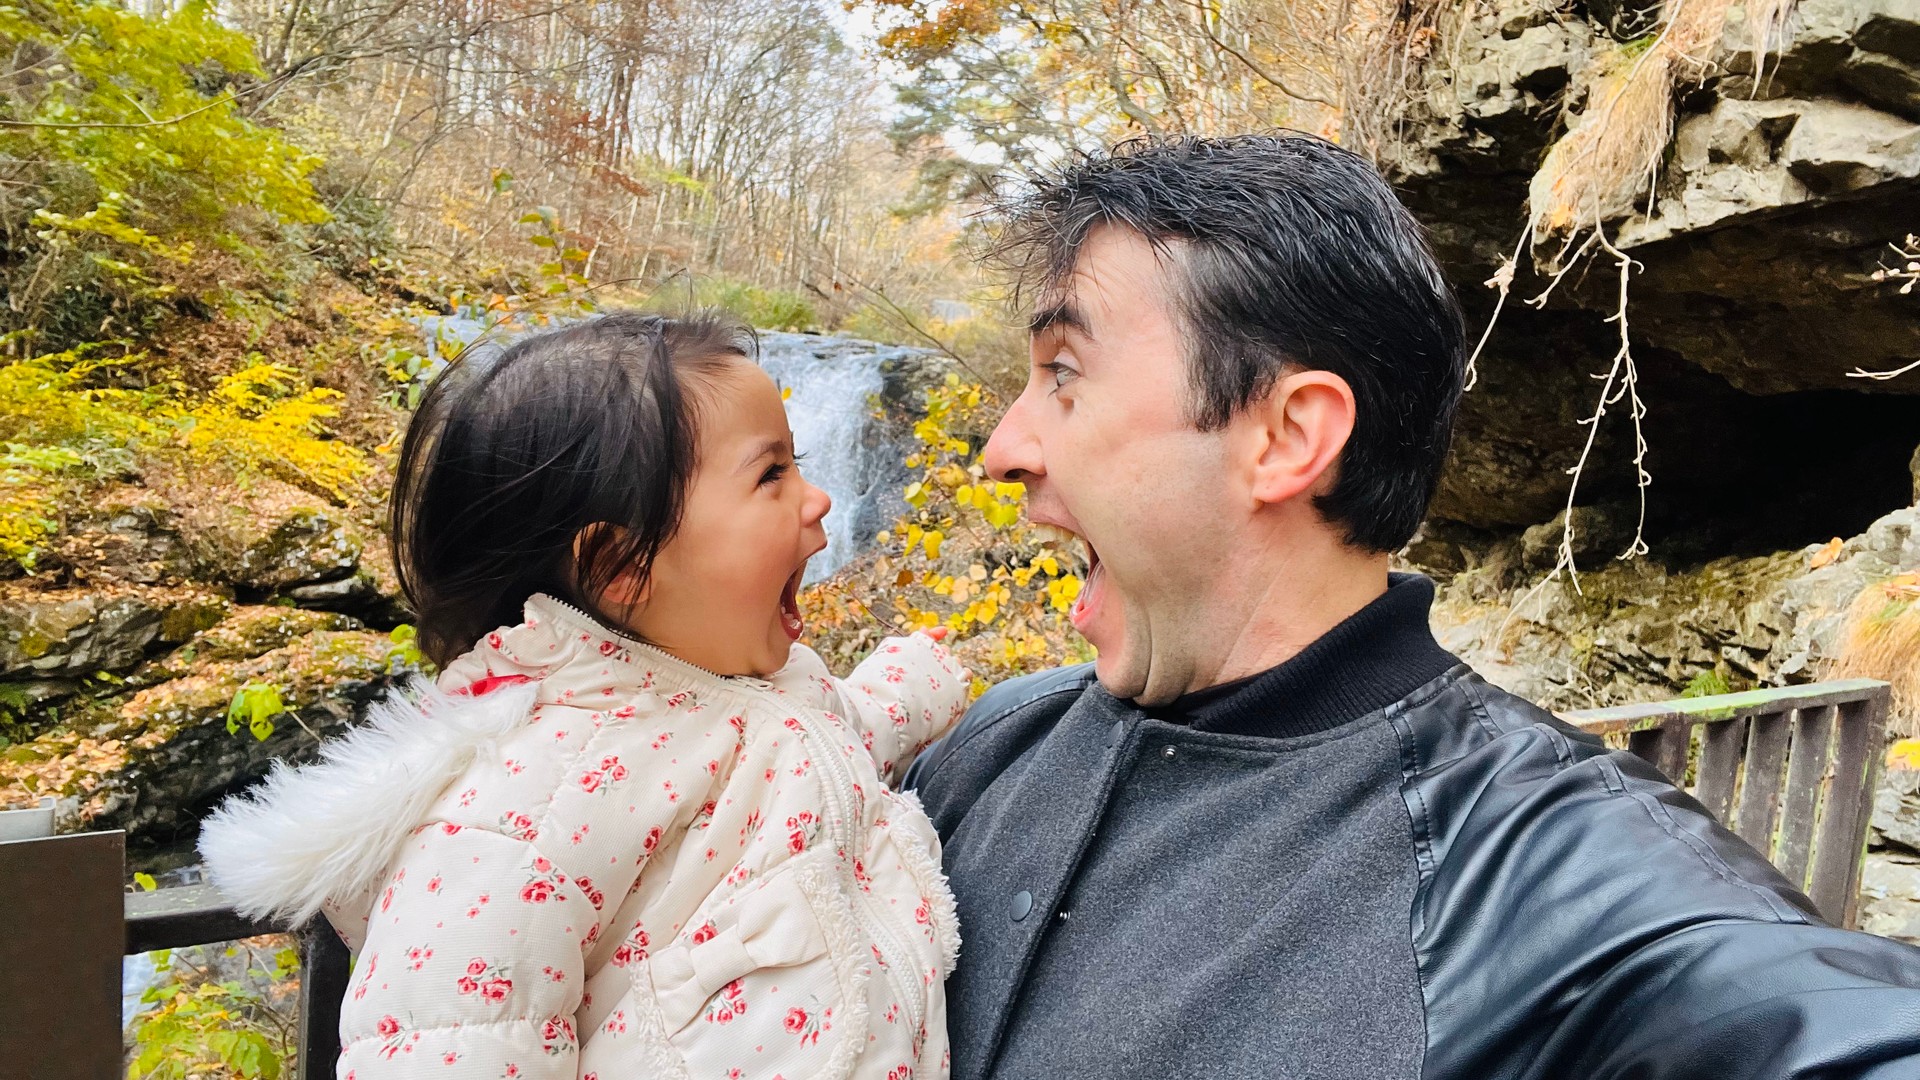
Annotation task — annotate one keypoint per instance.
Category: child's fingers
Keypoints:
(937, 633)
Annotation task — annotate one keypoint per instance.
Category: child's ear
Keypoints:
(629, 588)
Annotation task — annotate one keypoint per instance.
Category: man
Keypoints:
(1276, 830)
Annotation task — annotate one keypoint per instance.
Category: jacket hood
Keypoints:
(328, 831)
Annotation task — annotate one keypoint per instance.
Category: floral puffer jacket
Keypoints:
(580, 857)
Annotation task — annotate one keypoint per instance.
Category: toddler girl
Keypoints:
(636, 830)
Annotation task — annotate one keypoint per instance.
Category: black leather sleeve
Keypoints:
(1766, 1001)
(1580, 917)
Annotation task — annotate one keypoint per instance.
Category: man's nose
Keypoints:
(1013, 453)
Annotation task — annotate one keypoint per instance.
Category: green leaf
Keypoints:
(575, 254)
(531, 217)
(255, 704)
(541, 240)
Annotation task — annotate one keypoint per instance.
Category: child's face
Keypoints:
(721, 593)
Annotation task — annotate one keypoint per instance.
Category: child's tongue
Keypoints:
(790, 608)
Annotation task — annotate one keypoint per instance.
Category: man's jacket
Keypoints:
(1368, 862)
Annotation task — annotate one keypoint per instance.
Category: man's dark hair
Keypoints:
(515, 452)
(1286, 251)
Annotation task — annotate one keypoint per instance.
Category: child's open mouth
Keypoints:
(790, 604)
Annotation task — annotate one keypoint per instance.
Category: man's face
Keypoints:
(1102, 438)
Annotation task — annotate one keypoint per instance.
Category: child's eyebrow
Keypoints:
(769, 448)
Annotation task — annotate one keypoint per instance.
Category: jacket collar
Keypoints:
(556, 638)
(1379, 655)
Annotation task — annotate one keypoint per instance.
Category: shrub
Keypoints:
(135, 165)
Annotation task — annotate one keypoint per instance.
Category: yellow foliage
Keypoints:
(251, 421)
(960, 557)
(62, 433)
(1881, 640)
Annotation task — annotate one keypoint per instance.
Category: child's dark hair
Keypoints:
(516, 453)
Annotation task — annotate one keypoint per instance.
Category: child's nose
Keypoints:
(817, 503)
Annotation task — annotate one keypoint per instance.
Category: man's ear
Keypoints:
(629, 588)
(1297, 434)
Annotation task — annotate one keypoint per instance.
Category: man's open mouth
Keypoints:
(1087, 603)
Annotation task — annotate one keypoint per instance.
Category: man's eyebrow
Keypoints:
(770, 447)
(1061, 314)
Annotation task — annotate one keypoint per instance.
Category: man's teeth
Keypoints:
(1047, 531)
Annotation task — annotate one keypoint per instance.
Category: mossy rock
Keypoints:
(250, 630)
(155, 760)
(77, 632)
(127, 534)
(308, 545)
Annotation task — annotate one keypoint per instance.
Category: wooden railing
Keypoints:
(1793, 770)
(65, 925)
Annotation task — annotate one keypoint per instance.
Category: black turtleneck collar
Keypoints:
(1379, 655)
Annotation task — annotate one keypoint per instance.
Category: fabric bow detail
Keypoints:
(776, 928)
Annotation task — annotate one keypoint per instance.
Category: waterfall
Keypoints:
(835, 383)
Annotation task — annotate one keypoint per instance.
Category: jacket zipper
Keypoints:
(875, 921)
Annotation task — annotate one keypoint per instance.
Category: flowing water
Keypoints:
(836, 384)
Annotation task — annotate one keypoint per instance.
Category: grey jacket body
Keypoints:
(1370, 863)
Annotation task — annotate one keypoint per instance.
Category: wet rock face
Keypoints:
(78, 632)
(1753, 294)
(1890, 883)
(304, 549)
(154, 757)
(1638, 631)
(179, 756)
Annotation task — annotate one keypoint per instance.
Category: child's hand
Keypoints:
(937, 633)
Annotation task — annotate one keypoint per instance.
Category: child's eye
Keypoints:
(774, 473)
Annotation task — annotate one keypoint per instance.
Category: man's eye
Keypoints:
(1060, 372)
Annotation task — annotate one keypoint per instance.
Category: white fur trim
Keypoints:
(330, 829)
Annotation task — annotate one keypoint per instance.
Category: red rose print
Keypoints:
(796, 842)
(467, 984)
(728, 1004)
(590, 782)
(704, 934)
(476, 967)
(537, 892)
(388, 1027)
(796, 1020)
(496, 989)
